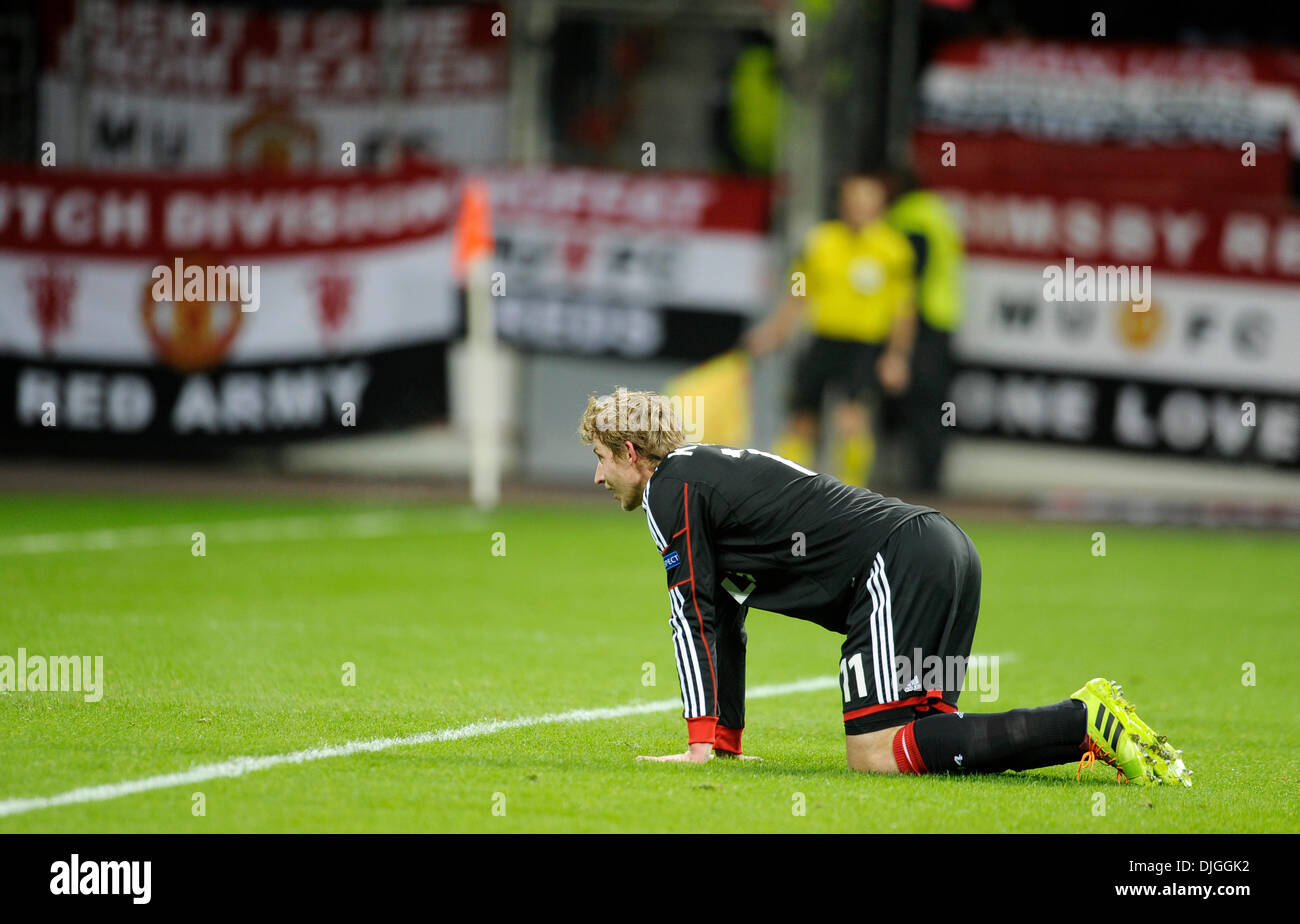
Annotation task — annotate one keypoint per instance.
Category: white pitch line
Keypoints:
(241, 766)
(359, 525)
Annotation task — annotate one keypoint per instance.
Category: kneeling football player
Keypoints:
(741, 527)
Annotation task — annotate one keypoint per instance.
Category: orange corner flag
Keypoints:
(473, 226)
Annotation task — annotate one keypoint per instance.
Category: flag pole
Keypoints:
(473, 260)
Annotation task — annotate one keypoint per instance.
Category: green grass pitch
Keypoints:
(241, 652)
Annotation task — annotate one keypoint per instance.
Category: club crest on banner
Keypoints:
(52, 290)
(190, 334)
(274, 137)
(334, 289)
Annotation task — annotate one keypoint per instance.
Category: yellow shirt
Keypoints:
(940, 288)
(856, 284)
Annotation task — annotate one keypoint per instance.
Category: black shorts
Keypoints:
(847, 366)
(910, 626)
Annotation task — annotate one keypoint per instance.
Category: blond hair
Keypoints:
(649, 420)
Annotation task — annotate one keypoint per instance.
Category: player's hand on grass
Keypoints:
(893, 372)
(698, 753)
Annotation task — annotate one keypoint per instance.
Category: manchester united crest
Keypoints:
(52, 288)
(190, 333)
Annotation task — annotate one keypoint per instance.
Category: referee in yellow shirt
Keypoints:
(856, 290)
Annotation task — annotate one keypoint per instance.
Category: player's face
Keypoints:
(862, 201)
(622, 477)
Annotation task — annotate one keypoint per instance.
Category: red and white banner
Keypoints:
(1040, 220)
(361, 261)
(1169, 165)
(352, 301)
(355, 294)
(629, 264)
(135, 85)
(152, 216)
(1211, 368)
(1112, 118)
(1089, 92)
(1224, 284)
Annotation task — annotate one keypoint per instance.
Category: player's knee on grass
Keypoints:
(872, 752)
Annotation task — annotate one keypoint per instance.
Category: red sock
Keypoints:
(906, 753)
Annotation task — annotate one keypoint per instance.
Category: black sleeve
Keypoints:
(679, 517)
(731, 642)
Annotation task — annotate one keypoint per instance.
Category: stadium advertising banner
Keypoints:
(1090, 95)
(1208, 369)
(270, 89)
(634, 265)
(216, 307)
(1122, 174)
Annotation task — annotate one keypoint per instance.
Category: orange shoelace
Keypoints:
(1091, 752)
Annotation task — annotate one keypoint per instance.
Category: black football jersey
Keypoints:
(742, 527)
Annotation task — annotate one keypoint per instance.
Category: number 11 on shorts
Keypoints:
(853, 665)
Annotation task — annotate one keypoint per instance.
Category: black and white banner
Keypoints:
(62, 405)
(1120, 412)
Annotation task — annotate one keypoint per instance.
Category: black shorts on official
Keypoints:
(847, 366)
(910, 626)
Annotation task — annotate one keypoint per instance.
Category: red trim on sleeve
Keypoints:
(728, 739)
(702, 729)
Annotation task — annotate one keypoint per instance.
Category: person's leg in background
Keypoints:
(855, 447)
(803, 427)
(855, 418)
(931, 375)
